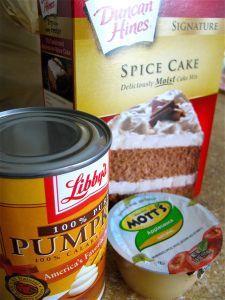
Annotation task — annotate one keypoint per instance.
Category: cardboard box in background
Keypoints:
(105, 56)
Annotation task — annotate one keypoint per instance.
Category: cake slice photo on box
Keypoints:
(156, 147)
(58, 77)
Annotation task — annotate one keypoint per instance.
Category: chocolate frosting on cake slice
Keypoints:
(164, 110)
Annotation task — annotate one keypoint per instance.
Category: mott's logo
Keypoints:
(70, 192)
(123, 23)
(154, 223)
(48, 7)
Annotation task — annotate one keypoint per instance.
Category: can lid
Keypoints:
(37, 142)
(164, 233)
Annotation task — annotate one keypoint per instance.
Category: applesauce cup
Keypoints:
(164, 243)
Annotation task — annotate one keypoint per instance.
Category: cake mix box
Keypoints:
(149, 68)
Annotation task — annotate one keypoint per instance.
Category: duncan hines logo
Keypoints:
(123, 23)
(74, 189)
(48, 7)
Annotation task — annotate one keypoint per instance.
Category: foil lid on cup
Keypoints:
(164, 233)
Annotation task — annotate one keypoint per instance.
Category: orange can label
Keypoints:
(53, 235)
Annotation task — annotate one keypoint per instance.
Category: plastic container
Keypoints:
(164, 243)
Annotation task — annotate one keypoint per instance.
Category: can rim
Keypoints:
(66, 168)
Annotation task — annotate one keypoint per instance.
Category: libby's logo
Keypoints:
(48, 7)
(82, 185)
(68, 193)
(123, 23)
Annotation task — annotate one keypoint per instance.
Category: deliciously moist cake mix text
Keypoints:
(106, 57)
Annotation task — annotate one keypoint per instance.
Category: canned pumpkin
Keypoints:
(53, 204)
